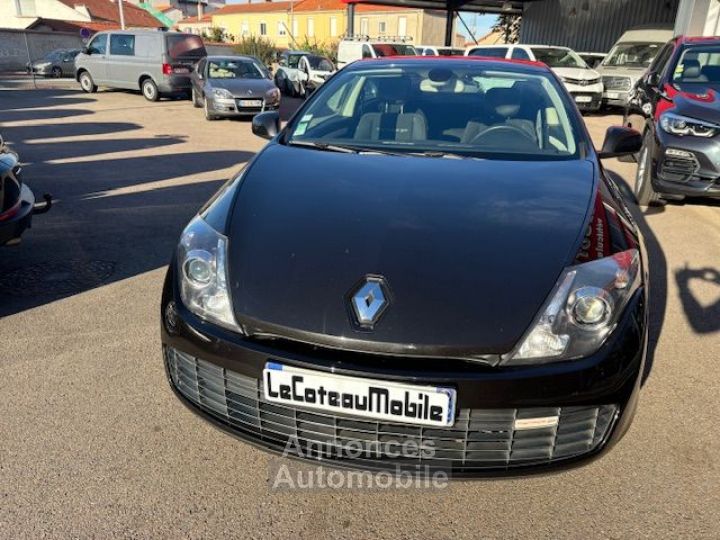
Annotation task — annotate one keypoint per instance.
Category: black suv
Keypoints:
(677, 106)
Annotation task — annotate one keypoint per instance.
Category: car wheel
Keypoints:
(87, 84)
(196, 100)
(644, 191)
(56, 72)
(149, 90)
(206, 108)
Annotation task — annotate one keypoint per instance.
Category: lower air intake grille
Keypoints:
(481, 439)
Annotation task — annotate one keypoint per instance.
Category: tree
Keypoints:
(509, 25)
(216, 35)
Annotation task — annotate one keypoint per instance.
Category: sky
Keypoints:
(479, 24)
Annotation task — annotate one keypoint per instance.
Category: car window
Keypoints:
(465, 110)
(185, 47)
(494, 52)
(122, 44)
(366, 52)
(293, 60)
(557, 57)
(632, 54)
(658, 64)
(233, 69)
(520, 54)
(393, 49)
(698, 65)
(98, 45)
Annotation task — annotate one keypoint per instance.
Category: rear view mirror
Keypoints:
(620, 141)
(266, 125)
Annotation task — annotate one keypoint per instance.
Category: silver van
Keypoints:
(151, 61)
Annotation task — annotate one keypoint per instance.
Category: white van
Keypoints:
(584, 84)
(355, 48)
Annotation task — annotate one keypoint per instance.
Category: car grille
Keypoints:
(480, 439)
(581, 82)
(616, 83)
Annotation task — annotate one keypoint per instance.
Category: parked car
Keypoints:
(592, 59)
(583, 83)
(232, 86)
(17, 201)
(677, 107)
(433, 50)
(354, 48)
(628, 59)
(300, 73)
(153, 62)
(57, 63)
(317, 312)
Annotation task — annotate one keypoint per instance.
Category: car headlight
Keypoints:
(222, 93)
(682, 125)
(202, 271)
(582, 310)
(272, 94)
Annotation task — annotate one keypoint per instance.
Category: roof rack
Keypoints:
(382, 37)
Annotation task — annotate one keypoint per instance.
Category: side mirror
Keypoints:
(266, 125)
(653, 79)
(86, 50)
(620, 141)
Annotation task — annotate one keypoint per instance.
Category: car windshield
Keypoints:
(700, 65)
(558, 58)
(632, 54)
(319, 63)
(393, 49)
(233, 69)
(463, 110)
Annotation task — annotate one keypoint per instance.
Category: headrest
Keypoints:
(393, 88)
(504, 102)
(691, 69)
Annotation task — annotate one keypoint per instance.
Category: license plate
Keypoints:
(251, 103)
(181, 70)
(355, 396)
(583, 99)
(613, 95)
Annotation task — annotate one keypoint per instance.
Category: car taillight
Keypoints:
(167, 69)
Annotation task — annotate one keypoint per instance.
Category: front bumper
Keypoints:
(693, 175)
(232, 107)
(218, 375)
(587, 98)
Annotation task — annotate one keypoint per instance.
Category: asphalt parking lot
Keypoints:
(94, 444)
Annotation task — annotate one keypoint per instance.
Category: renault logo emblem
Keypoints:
(369, 301)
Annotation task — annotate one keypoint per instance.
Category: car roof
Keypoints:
(514, 64)
(230, 57)
(697, 40)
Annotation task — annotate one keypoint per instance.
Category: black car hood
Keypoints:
(470, 249)
(244, 87)
(701, 101)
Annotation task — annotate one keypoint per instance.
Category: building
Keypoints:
(184, 8)
(72, 15)
(288, 24)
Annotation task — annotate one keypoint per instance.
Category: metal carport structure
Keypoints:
(451, 7)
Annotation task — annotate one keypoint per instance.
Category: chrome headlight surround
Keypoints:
(203, 274)
(273, 94)
(582, 310)
(221, 93)
(679, 125)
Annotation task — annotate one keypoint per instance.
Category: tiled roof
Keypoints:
(338, 5)
(257, 7)
(107, 11)
(206, 19)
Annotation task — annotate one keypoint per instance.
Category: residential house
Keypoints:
(72, 15)
(288, 24)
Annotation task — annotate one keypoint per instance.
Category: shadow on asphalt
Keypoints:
(113, 218)
(658, 272)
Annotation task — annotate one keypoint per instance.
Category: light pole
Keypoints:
(122, 14)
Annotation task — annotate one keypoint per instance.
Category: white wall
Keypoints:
(31, 9)
(698, 18)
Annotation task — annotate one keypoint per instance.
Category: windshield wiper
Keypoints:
(324, 146)
(352, 149)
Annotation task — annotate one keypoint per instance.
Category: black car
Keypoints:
(17, 201)
(428, 257)
(677, 107)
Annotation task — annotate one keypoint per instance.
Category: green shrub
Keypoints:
(320, 48)
(259, 47)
